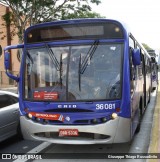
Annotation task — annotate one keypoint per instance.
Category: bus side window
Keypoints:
(132, 70)
(140, 67)
(143, 62)
(147, 66)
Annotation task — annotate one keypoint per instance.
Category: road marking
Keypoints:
(34, 151)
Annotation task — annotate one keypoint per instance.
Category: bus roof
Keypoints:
(80, 21)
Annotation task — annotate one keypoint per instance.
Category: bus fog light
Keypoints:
(114, 116)
(45, 121)
(104, 119)
(38, 119)
(94, 121)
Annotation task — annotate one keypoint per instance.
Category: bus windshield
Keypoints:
(74, 72)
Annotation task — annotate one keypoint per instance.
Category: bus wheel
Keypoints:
(149, 96)
(19, 132)
(139, 121)
(138, 128)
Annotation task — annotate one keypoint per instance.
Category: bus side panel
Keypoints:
(144, 80)
(136, 92)
(137, 100)
(147, 76)
(123, 133)
(125, 105)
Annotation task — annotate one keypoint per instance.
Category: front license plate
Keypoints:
(68, 132)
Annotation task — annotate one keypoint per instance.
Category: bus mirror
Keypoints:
(7, 60)
(136, 57)
(7, 66)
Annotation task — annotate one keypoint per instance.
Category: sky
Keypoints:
(142, 17)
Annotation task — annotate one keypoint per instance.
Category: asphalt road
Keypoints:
(16, 145)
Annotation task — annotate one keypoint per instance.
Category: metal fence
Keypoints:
(5, 81)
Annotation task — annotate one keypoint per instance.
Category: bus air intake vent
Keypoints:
(81, 136)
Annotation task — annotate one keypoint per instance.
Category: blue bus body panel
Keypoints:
(125, 104)
(83, 112)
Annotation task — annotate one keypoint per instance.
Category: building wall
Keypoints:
(15, 64)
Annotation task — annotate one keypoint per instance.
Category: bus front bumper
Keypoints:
(113, 131)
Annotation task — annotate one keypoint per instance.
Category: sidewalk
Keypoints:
(154, 146)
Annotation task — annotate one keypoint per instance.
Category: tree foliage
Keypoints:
(29, 12)
(81, 14)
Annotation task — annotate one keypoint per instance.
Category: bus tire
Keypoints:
(149, 96)
(19, 132)
(139, 122)
(138, 128)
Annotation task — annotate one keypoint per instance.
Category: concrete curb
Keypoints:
(154, 146)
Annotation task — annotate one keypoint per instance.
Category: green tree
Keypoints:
(81, 14)
(29, 12)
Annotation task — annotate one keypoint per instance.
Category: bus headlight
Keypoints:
(30, 116)
(114, 116)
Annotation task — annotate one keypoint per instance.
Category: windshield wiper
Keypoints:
(89, 56)
(79, 72)
(29, 65)
(53, 57)
(83, 66)
(29, 56)
(60, 71)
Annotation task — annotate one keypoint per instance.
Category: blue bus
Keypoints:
(83, 81)
(154, 73)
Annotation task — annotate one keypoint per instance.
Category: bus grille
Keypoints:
(82, 136)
